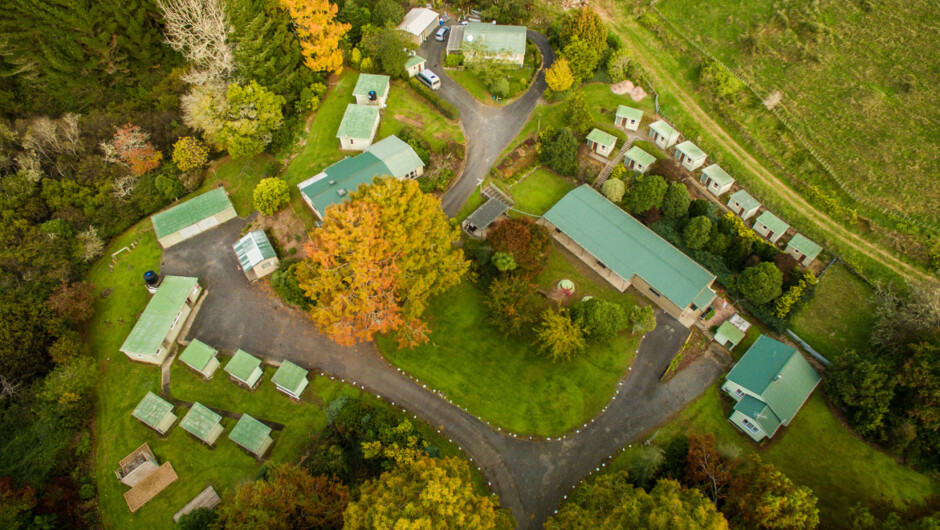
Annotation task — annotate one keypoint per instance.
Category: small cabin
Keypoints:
(358, 128)
(663, 134)
(728, 335)
(628, 118)
(201, 358)
(690, 156)
(803, 249)
(255, 255)
(372, 90)
(252, 435)
(245, 369)
(155, 412)
(203, 423)
(415, 65)
(601, 142)
(638, 160)
(770, 226)
(742, 204)
(716, 180)
(290, 379)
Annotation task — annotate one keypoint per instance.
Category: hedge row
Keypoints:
(446, 107)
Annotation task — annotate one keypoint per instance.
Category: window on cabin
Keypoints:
(750, 426)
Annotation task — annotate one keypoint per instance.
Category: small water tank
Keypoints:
(373, 96)
(151, 278)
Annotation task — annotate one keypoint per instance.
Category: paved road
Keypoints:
(530, 477)
(488, 128)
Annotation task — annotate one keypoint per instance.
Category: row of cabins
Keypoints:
(361, 120)
(243, 368)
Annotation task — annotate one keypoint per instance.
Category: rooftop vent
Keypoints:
(332, 182)
(341, 192)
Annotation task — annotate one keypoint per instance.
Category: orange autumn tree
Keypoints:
(319, 33)
(376, 261)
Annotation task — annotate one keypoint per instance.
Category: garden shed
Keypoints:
(690, 156)
(803, 249)
(358, 128)
(202, 423)
(497, 42)
(244, 368)
(252, 435)
(770, 226)
(201, 357)
(628, 118)
(770, 384)
(148, 488)
(192, 217)
(663, 134)
(420, 23)
(601, 142)
(728, 335)
(476, 223)
(742, 204)
(135, 467)
(155, 332)
(155, 412)
(290, 379)
(626, 253)
(371, 89)
(637, 159)
(255, 255)
(415, 65)
(716, 180)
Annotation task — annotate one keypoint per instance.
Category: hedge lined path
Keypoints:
(530, 477)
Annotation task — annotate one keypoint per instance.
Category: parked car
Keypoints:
(441, 33)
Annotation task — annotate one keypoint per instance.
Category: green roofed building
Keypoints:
(244, 368)
(770, 384)
(627, 253)
(690, 156)
(251, 434)
(503, 43)
(637, 159)
(200, 357)
(728, 335)
(290, 379)
(663, 134)
(202, 423)
(192, 217)
(803, 249)
(371, 89)
(255, 255)
(743, 204)
(628, 117)
(155, 412)
(770, 226)
(415, 64)
(155, 332)
(716, 180)
(389, 156)
(356, 131)
(601, 142)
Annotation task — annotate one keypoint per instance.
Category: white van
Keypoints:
(429, 78)
(441, 33)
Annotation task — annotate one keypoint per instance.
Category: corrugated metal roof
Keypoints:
(771, 221)
(198, 354)
(418, 19)
(483, 216)
(805, 246)
(631, 113)
(691, 150)
(599, 136)
(289, 376)
(663, 128)
(639, 156)
(730, 332)
(760, 412)
(190, 212)
(358, 121)
(414, 60)
(743, 198)
(628, 247)
(718, 175)
(397, 155)
(253, 249)
(158, 317)
(242, 365)
(704, 298)
(152, 409)
(249, 433)
(200, 421)
(369, 82)
(496, 38)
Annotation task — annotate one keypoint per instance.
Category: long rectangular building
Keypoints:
(627, 253)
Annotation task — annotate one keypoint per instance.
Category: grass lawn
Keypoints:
(239, 178)
(540, 191)
(816, 450)
(407, 108)
(839, 317)
(505, 380)
(520, 78)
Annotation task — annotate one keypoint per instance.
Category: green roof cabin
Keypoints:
(255, 255)
(356, 131)
(389, 156)
(155, 332)
(155, 412)
(245, 369)
(202, 423)
(742, 204)
(501, 43)
(290, 379)
(690, 156)
(628, 118)
(716, 180)
(626, 253)
(637, 159)
(252, 435)
(371, 89)
(770, 383)
(415, 64)
(192, 217)
(770, 226)
(419, 23)
(663, 134)
(803, 249)
(601, 142)
(200, 357)
(728, 335)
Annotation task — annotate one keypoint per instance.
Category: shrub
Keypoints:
(577, 115)
(559, 336)
(760, 283)
(696, 232)
(504, 261)
(721, 82)
(643, 319)
(528, 243)
(453, 60)
(270, 195)
(794, 294)
(618, 65)
(698, 207)
(676, 202)
(600, 319)
(513, 304)
(198, 519)
(613, 189)
(648, 192)
(285, 284)
(189, 153)
(559, 150)
(447, 108)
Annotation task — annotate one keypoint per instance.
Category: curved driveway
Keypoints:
(530, 477)
(488, 128)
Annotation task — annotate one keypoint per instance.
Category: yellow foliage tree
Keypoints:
(559, 77)
(319, 33)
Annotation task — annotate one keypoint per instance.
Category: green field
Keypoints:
(239, 178)
(854, 78)
(816, 450)
(407, 108)
(839, 316)
(504, 380)
(539, 191)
